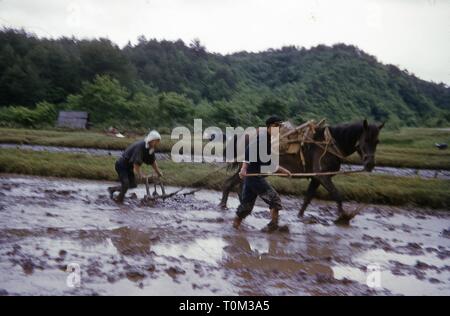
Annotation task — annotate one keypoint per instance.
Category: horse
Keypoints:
(360, 137)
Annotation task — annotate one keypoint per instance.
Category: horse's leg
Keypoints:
(229, 184)
(343, 218)
(312, 188)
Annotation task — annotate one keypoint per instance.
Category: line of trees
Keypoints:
(164, 83)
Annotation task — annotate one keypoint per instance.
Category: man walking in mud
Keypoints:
(255, 186)
(128, 167)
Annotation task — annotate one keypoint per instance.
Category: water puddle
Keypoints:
(187, 246)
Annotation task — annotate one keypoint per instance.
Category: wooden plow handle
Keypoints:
(305, 175)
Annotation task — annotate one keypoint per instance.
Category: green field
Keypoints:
(408, 147)
(83, 139)
(367, 188)
(413, 148)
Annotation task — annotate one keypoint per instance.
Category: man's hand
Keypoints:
(243, 171)
(138, 172)
(285, 171)
(156, 169)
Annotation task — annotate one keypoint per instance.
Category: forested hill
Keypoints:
(163, 83)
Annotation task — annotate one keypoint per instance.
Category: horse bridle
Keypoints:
(363, 154)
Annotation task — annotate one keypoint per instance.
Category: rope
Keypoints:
(158, 180)
(209, 175)
(328, 145)
(329, 140)
(305, 175)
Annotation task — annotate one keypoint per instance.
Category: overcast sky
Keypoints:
(413, 34)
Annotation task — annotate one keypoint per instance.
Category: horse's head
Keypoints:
(367, 144)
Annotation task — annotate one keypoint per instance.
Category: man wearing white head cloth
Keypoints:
(128, 167)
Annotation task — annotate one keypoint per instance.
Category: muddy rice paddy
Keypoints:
(186, 245)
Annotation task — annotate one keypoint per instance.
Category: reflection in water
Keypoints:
(48, 223)
(209, 250)
(396, 282)
(130, 242)
(274, 264)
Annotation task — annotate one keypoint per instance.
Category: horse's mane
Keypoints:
(345, 135)
(342, 133)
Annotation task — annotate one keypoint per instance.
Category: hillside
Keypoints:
(163, 83)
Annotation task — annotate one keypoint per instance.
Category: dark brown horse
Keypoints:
(360, 137)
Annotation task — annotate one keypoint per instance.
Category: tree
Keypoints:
(272, 106)
(104, 98)
(174, 109)
(339, 82)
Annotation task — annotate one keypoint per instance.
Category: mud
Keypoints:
(392, 171)
(186, 245)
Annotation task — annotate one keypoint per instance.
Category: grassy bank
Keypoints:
(362, 187)
(85, 139)
(413, 148)
(407, 148)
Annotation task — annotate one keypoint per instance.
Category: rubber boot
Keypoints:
(273, 225)
(111, 191)
(237, 222)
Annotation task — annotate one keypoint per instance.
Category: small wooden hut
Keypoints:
(73, 119)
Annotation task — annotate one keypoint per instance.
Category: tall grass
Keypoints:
(409, 147)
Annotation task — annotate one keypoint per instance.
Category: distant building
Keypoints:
(73, 119)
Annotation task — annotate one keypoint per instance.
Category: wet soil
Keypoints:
(187, 246)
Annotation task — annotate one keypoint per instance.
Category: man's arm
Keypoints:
(245, 163)
(280, 169)
(244, 167)
(156, 168)
(243, 171)
(137, 171)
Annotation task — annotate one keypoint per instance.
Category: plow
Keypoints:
(155, 195)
